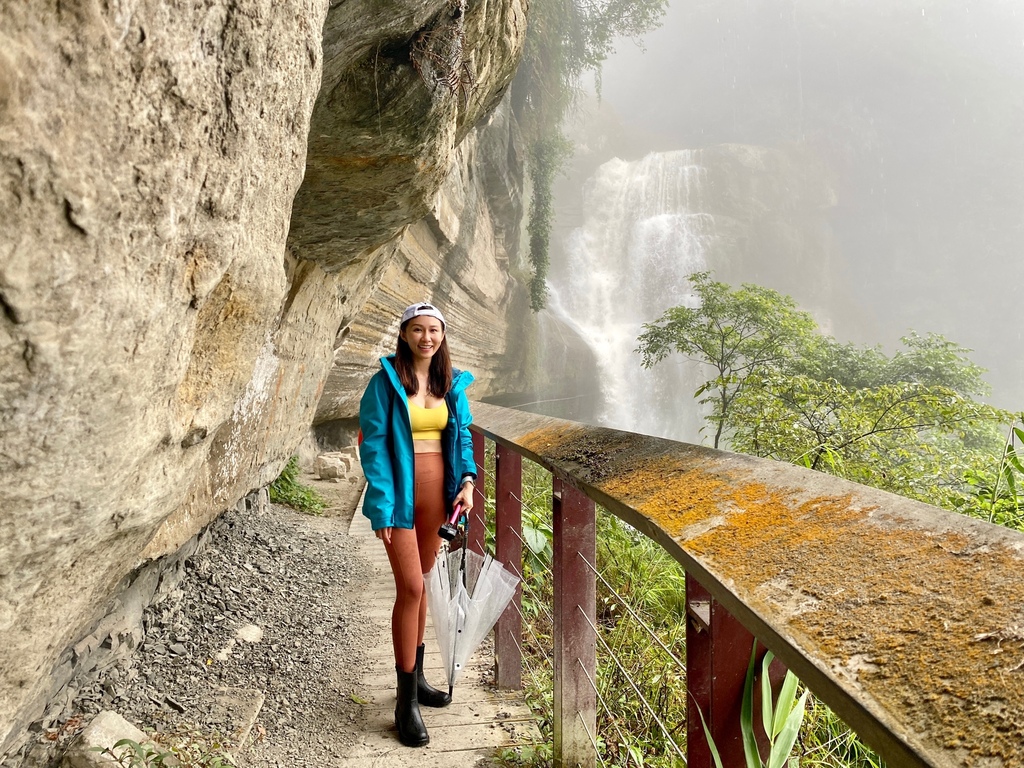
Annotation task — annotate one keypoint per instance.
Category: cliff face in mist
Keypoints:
(771, 211)
(205, 208)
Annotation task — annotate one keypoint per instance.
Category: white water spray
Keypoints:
(644, 231)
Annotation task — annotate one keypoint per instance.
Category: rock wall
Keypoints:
(461, 256)
(171, 298)
(362, 180)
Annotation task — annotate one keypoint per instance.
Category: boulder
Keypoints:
(105, 730)
(333, 466)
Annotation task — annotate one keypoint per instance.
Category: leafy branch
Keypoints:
(190, 753)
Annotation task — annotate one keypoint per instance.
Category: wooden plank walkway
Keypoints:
(479, 721)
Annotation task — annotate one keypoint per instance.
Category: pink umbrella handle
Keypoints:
(450, 529)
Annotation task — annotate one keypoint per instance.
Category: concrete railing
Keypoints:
(907, 620)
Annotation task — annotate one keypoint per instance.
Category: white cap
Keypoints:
(415, 310)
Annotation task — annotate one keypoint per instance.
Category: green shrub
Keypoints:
(288, 490)
(185, 752)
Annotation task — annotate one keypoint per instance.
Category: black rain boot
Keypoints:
(426, 694)
(411, 730)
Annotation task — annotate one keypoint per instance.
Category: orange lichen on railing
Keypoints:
(927, 622)
(895, 632)
(875, 599)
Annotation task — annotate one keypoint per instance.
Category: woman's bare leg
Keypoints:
(430, 514)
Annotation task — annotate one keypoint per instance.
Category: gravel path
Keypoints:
(267, 606)
(274, 615)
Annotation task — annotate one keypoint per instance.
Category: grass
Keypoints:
(638, 573)
(827, 742)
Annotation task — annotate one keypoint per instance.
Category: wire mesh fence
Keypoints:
(641, 681)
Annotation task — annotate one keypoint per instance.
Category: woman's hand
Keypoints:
(465, 497)
(384, 534)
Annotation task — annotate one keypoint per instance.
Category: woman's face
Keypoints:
(423, 334)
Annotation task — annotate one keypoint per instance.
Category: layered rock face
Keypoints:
(385, 137)
(164, 339)
(460, 256)
(148, 169)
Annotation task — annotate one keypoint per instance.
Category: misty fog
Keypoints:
(910, 112)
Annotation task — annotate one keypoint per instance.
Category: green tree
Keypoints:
(930, 360)
(734, 333)
(908, 422)
(905, 437)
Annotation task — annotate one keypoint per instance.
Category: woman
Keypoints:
(417, 456)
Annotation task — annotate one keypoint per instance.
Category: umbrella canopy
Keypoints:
(466, 593)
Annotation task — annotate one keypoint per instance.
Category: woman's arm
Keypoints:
(466, 467)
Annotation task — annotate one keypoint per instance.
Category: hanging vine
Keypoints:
(565, 39)
(547, 154)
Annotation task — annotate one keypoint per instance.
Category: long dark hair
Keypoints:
(439, 379)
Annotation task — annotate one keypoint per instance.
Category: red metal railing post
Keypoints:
(575, 610)
(508, 548)
(478, 519)
(717, 656)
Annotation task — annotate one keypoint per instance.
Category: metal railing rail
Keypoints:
(905, 619)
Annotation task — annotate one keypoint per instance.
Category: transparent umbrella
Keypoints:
(466, 594)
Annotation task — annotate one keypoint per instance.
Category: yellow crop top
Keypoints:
(427, 423)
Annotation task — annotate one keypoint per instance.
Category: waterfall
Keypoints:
(643, 232)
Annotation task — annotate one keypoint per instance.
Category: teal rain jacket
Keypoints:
(386, 451)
